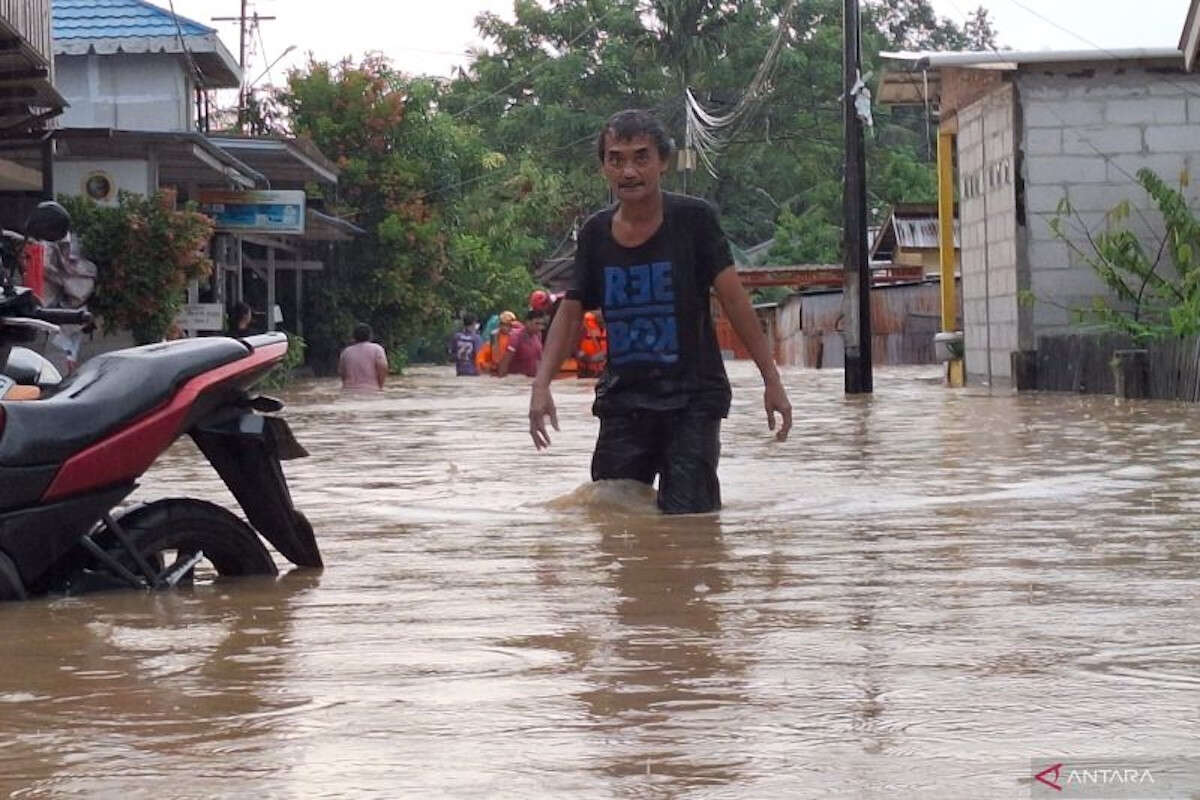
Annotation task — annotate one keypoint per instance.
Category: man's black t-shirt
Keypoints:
(662, 350)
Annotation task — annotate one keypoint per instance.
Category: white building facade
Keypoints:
(1033, 130)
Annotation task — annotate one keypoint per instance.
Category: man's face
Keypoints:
(632, 167)
(536, 324)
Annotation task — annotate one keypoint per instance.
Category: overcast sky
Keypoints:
(431, 36)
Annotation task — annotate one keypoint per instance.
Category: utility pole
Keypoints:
(856, 293)
(243, 28)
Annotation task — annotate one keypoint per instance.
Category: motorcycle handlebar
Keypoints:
(63, 316)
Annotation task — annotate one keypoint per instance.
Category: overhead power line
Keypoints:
(1182, 86)
(183, 43)
(708, 133)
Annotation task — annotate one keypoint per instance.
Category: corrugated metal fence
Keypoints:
(904, 319)
(1082, 363)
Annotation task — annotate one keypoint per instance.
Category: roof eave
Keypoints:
(343, 230)
(1014, 59)
(219, 67)
(201, 148)
(322, 170)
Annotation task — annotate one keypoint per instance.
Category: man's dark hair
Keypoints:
(533, 314)
(468, 320)
(362, 332)
(630, 123)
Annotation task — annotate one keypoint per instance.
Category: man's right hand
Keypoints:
(541, 405)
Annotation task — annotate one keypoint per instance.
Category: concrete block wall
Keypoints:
(1084, 134)
(992, 277)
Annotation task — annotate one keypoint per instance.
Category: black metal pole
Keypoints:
(856, 304)
(241, 122)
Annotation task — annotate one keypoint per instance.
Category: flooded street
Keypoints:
(917, 594)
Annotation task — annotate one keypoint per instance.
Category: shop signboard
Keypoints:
(280, 211)
(201, 317)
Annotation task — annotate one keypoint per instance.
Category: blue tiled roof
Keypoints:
(118, 19)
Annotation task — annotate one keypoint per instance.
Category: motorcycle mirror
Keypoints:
(49, 222)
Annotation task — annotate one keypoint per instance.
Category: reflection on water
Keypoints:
(911, 597)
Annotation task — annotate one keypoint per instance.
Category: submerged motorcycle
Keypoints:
(71, 456)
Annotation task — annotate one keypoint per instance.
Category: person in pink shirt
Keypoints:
(524, 351)
(363, 365)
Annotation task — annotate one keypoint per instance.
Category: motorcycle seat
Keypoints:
(107, 391)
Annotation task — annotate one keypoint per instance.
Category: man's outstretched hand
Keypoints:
(775, 400)
(541, 405)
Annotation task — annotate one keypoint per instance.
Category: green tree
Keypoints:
(914, 25)
(980, 33)
(551, 76)
(396, 153)
(808, 238)
(452, 224)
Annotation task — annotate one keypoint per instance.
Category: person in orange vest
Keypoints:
(592, 352)
(493, 350)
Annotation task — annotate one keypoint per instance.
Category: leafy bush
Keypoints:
(146, 252)
(1148, 303)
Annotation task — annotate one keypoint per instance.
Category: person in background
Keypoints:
(542, 300)
(524, 351)
(493, 349)
(465, 345)
(239, 320)
(363, 365)
(490, 327)
(508, 321)
(593, 347)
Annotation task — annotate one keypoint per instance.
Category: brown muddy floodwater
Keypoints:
(913, 597)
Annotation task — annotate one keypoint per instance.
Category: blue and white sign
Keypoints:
(255, 211)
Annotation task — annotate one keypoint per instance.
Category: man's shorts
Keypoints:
(681, 447)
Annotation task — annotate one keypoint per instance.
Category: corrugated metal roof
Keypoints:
(118, 19)
(111, 27)
(919, 233)
(910, 226)
(282, 160)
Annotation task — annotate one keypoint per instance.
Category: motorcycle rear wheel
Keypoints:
(168, 533)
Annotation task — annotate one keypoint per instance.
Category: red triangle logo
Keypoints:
(1049, 776)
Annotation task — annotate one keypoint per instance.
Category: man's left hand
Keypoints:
(775, 400)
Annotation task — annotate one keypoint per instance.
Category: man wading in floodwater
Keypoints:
(649, 262)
